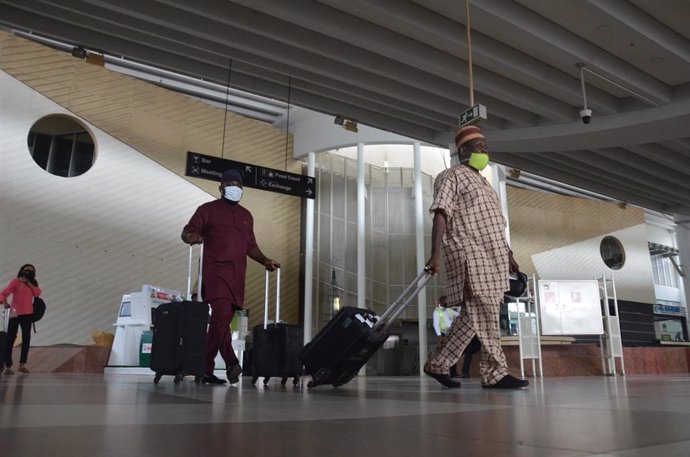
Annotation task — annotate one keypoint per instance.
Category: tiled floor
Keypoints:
(123, 415)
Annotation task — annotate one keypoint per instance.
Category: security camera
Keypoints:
(586, 115)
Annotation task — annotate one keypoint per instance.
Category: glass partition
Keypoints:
(390, 246)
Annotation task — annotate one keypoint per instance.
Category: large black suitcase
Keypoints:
(276, 347)
(345, 344)
(179, 340)
(179, 335)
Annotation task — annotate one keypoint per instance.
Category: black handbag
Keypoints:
(518, 286)
(39, 309)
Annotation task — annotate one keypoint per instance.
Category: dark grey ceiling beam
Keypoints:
(619, 179)
(371, 38)
(370, 101)
(215, 72)
(358, 67)
(488, 55)
(532, 26)
(524, 162)
(146, 32)
(647, 26)
(647, 126)
(620, 163)
(647, 169)
(680, 146)
(657, 153)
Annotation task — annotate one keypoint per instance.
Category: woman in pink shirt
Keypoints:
(23, 289)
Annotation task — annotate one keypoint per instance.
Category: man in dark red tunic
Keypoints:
(227, 231)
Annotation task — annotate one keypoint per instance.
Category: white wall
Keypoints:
(582, 260)
(92, 237)
(316, 132)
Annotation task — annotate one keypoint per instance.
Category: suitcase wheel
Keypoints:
(178, 378)
(283, 381)
(157, 378)
(311, 385)
(197, 379)
(266, 379)
(254, 379)
(295, 381)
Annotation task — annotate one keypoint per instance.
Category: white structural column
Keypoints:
(421, 258)
(498, 177)
(683, 240)
(309, 256)
(361, 192)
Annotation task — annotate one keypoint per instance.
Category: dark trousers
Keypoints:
(219, 337)
(12, 327)
(469, 351)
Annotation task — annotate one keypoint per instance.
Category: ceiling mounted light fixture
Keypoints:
(347, 124)
(79, 52)
(350, 126)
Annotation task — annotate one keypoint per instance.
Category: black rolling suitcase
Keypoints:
(276, 346)
(179, 336)
(345, 344)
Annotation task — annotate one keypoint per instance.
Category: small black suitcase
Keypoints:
(345, 344)
(179, 340)
(276, 347)
(179, 334)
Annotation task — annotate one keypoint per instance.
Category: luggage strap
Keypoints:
(399, 305)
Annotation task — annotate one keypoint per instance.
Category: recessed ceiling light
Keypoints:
(603, 28)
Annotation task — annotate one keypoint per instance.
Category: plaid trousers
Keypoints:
(479, 317)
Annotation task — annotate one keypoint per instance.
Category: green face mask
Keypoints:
(479, 160)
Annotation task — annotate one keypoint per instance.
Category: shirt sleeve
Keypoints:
(437, 328)
(197, 223)
(444, 193)
(9, 290)
(37, 291)
(251, 241)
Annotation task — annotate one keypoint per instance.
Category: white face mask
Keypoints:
(233, 193)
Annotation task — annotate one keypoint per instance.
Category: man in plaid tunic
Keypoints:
(469, 223)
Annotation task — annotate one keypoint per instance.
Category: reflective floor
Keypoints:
(123, 415)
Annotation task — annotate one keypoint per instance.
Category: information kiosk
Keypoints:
(133, 318)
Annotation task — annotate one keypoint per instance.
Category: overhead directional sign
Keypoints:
(282, 182)
(472, 115)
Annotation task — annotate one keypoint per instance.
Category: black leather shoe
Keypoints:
(234, 373)
(509, 382)
(464, 376)
(212, 379)
(444, 379)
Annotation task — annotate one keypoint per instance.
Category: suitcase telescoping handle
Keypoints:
(189, 275)
(403, 301)
(268, 273)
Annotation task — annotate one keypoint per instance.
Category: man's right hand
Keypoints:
(433, 265)
(193, 238)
